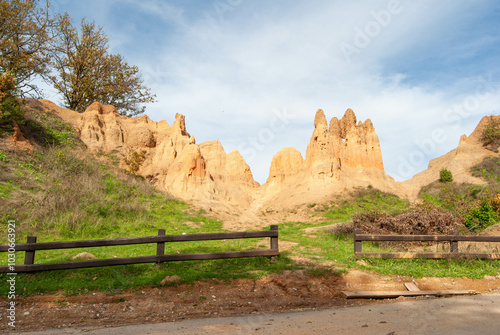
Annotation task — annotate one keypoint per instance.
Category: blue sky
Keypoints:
(252, 73)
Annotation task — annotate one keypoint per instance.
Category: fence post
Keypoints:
(160, 246)
(274, 240)
(274, 243)
(29, 256)
(453, 243)
(357, 244)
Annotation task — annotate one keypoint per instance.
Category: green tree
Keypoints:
(445, 176)
(24, 42)
(86, 72)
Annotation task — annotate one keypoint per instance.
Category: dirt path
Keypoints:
(289, 291)
(458, 315)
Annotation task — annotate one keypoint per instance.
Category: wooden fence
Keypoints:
(453, 239)
(31, 246)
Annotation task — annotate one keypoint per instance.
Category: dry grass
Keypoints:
(59, 188)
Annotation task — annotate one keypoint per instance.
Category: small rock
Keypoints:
(363, 263)
(26, 313)
(170, 279)
(84, 255)
(131, 308)
(489, 277)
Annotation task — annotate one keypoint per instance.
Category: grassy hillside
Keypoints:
(59, 192)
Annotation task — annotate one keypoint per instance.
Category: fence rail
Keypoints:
(453, 239)
(31, 246)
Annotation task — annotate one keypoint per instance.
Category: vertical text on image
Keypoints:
(11, 276)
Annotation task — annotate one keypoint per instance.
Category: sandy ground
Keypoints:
(289, 291)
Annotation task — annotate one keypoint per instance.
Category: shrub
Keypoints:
(135, 161)
(445, 176)
(420, 221)
(10, 107)
(495, 202)
(480, 217)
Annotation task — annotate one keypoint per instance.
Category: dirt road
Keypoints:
(459, 315)
(270, 295)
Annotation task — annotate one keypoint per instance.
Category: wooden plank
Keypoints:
(431, 255)
(219, 255)
(395, 294)
(83, 264)
(422, 238)
(412, 287)
(139, 260)
(405, 255)
(140, 240)
(470, 238)
(407, 238)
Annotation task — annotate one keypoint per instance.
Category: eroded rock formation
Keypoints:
(341, 155)
(173, 161)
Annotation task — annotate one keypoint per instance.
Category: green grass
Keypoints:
(326, 246)
(362, 200)
(120, 278)
(322, 247)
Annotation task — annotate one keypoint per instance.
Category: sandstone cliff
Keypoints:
(341, 155)
(173, 162)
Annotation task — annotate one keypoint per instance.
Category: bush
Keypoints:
(495, 202)
(10, 107)
(480, 217)
(445, 176)
(135, 161)
(419, 221)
